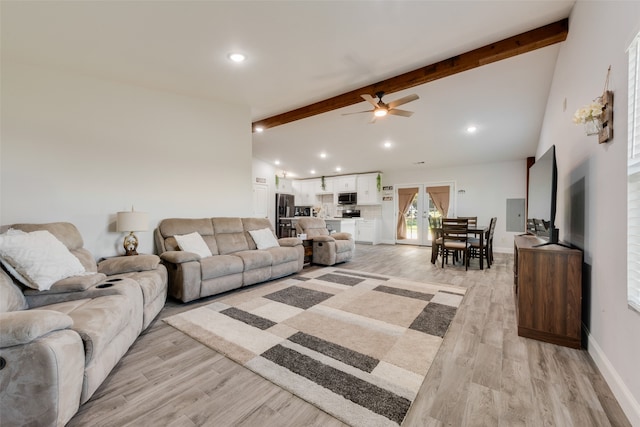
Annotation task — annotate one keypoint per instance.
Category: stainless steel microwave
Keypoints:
(347, 198)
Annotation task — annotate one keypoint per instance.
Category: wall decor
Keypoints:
(597, 117)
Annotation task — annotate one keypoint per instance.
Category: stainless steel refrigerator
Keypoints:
(284, 209)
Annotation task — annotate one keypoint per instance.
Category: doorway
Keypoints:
(419, 205)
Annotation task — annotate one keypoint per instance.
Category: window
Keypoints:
(633, 178)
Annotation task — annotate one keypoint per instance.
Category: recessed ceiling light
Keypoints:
(472, 129)
(259, 129)
(387, 144)
(277, 162)
(313, 172)
(237, 57)
(338, 169)
(323, 155)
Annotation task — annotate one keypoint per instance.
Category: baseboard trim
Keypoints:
(629, 404)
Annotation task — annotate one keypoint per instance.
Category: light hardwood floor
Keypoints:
(483, 375)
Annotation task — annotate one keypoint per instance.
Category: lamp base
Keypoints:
(130, 244)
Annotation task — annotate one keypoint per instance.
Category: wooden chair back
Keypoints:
(473, 220)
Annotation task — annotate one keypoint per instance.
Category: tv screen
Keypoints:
(541, 210)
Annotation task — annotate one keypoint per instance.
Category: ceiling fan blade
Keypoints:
(357, 112)
(404, 100)
(373, 119)
(369, 99)
(403, 113)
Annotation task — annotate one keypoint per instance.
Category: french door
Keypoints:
(415, 205)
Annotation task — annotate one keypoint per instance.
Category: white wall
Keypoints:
(80, 149)
(592, 185)
(487, 188)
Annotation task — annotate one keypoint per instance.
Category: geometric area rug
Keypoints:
(356, 345)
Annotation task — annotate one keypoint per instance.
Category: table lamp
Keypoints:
(132, 221)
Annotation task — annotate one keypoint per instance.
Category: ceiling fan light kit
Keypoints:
(381, 109)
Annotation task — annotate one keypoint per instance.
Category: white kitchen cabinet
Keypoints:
(367, 231)
(328, 186)
(342, 226)
(284, 186)
(367, 185)
(345, 184)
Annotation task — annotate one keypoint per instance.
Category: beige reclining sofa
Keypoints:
(328, 249)
(58, 345)
(231, 257)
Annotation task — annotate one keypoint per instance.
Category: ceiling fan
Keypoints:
(381, 109)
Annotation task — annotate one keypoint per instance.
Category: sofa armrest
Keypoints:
(128, 264)
(342, 236)
(289, 241)
(324, 239)
(23, 327)
(179, 257)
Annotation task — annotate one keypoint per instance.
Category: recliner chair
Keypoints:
(327, 249)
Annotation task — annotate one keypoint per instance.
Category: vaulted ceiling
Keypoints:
(303, 52)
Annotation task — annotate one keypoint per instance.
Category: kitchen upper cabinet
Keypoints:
(328, 185)
(368, 189)
(345, 184)
(305, 194)
(284, 186)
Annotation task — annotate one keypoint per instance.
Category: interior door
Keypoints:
(260, 200)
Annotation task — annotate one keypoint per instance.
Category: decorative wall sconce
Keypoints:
(461, 192)
(597, 117)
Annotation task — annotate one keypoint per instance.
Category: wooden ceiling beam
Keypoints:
(503, 49)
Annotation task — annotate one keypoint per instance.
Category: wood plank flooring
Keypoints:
(483, 375)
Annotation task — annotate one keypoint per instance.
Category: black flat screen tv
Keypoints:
(543, 189)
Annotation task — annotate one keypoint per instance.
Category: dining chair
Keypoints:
(474, 243)
(455, 239)
(492, 229)
(435, 226)
(473, 220)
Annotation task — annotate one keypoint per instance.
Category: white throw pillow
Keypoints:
(39, 258)
(264, 238)
(193, 242)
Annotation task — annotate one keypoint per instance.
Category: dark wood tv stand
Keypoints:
(548, 291)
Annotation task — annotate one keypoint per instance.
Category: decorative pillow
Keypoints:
(12, 297)
(39, 257)
(194, 243)
(12, 271)
(264, 238)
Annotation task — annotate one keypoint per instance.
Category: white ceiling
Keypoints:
(300, 52)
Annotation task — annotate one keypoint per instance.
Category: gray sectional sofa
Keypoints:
(235, 260)
(58, 345)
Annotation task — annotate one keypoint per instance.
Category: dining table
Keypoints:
(477, 230)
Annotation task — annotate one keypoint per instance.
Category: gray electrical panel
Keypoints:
(515, 215)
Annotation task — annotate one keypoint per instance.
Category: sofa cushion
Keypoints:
(194, 243)
(22, 327)
(39, 257)
(230, 235)
(283, 254)
(128, 264)
(220, 265)
(70, 284)
(264, 238)
(11, 296)
(97, 320)
(255, 259)
(180, 226)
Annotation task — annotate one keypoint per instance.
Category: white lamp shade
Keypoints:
(132, 221)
